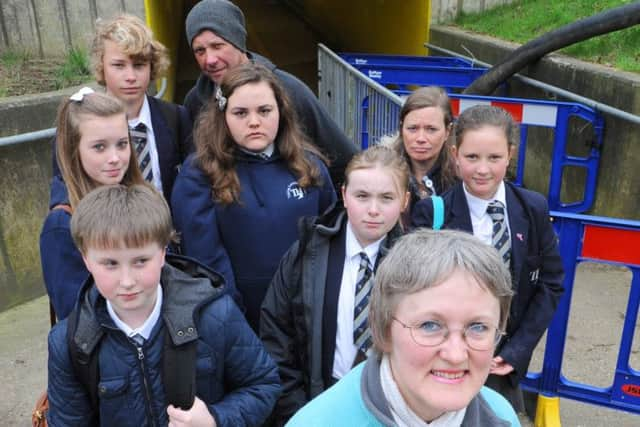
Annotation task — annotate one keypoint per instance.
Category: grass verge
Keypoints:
(74, 70)
(524, 20)
(21, 73)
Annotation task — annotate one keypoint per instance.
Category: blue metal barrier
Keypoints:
(356, 59)
(604, 240)
(402, 73)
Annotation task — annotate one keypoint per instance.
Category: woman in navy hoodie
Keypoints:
(237, 200)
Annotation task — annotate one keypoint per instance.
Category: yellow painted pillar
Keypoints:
(164, 17)
(372, 26)
(548, 412)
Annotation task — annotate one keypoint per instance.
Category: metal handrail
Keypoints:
(372, 84)
(27, 137)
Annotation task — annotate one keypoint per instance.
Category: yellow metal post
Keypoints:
(373, 26)
(548, 412)
(164, 17)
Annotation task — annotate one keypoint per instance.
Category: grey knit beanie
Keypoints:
(220, 16)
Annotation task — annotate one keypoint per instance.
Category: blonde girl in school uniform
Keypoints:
(313, 319)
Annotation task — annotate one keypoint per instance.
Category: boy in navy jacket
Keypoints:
(131, 304)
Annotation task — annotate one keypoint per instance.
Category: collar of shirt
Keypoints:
(353, 247)
(147, 326)
(268, 151)
(478, 206)
(143, 117)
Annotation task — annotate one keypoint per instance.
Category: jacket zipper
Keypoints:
(146, 387)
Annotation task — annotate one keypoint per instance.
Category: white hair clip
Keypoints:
(222, 100)
(79, 95)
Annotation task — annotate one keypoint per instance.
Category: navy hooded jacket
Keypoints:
(244, 241)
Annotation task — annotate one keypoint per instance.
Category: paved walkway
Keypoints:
(594, 333)
(23, 360)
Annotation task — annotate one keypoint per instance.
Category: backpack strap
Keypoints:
(178, 369)
(438, 212)
(179, 372)
(85, 368)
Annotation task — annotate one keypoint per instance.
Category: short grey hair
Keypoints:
(425, 258)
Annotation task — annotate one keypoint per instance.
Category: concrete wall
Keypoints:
(48, 27)
(447, 10)
(25, 171)
(618, 192)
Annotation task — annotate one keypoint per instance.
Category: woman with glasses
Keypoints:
(437, 311)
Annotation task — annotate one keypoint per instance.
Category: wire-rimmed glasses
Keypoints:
(478, 336)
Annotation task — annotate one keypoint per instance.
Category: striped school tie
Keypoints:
(361, 332)
(500, 238)
(139, 139)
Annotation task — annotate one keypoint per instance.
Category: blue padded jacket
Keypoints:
(235, 377)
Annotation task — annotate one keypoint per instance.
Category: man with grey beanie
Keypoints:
(216, 33)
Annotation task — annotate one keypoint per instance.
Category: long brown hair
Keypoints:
(70, 114)
(215, 146)
(430, 96)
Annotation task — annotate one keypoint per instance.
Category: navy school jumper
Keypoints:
(244, 241)
(63, 269)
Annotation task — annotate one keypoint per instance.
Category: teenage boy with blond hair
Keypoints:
(133, 303)
(125, 59)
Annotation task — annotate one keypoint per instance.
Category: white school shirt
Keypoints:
(145, 329)
(346, 350)
(480, 219)
(145, 117)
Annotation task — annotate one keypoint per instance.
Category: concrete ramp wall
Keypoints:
(25, 172)
(47, 27)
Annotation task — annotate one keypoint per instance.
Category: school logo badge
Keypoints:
(294, 191)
